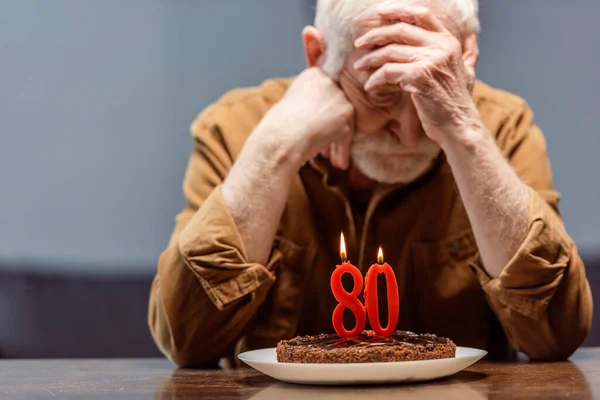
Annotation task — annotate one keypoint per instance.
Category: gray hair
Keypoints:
(336, 20)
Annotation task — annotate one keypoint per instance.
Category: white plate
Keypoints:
(265, 360)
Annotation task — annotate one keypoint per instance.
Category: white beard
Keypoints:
(384, 159)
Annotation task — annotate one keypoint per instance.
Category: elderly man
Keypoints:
(387, 137)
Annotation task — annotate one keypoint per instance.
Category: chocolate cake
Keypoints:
(365, 348)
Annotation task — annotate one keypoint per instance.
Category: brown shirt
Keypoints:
(208, 301)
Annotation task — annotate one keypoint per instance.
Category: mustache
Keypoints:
(388, 144)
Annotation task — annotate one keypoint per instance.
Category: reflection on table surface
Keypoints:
(146, 378)
(481, 381)
(450, 391)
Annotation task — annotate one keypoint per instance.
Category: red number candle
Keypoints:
(347, 300)
(371, 298)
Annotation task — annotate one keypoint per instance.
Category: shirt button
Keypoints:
(454, 248)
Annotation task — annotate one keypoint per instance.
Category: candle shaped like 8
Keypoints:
(346, 299)
(372, 299)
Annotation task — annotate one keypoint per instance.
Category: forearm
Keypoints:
(257, 188)
(528, 267)
(221, 261)
(495, 198)
(206, 291)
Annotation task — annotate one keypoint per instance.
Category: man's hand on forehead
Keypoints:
(418, 15)
(415, 53)
(408, 32)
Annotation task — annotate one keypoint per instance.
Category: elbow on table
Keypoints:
(186, 359)
(571, 341)
(182, 353)
(566, 342)
(561, 353)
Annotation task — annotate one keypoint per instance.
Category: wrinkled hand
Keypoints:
(418, 55)
(317, 117)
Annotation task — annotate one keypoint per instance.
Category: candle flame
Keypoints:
(343, 253)
(380, 256)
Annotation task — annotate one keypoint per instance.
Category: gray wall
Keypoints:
(96, 100)
(548, 52)
(97, 96)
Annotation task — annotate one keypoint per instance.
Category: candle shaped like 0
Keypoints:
(346, 299)
(372, 299)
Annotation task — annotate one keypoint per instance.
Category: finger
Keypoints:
(390, 74)
(396, 53)
(325, 152)
(340, 149)
(387, 88)
(400, 32)
(345, 151)
(346, 142)
(335, 155)
(420, 16)
(340, 153)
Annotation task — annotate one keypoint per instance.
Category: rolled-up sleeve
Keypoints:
(206, 292)
(542, 298)
(212, 248)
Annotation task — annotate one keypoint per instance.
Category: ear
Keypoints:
(314, 45)
(470, 53)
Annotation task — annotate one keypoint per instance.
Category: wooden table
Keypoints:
(152, 378)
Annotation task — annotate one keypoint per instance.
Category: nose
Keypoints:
(405, 124)
(407, 135)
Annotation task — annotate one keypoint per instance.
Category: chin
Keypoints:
(387, 161)
(391, 169)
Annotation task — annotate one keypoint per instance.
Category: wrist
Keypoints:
(470, 143)
(466, 137)
(270, 146)
(280, 131)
